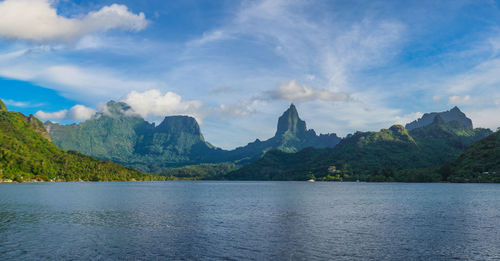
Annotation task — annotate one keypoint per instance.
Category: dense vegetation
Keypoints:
(27, 154)
(480, 162)
(392, 154)
(118, 134)
(424, 154)
(200, 172)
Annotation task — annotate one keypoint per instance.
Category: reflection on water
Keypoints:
(249, 220)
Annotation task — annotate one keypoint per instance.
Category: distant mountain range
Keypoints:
(393, 154)
(27, 154)
(433, 149)
(118, 134)
(452, 115)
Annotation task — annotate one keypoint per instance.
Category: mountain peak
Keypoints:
(180, 124)
(114, 108)
(455, 114)
(290, 121)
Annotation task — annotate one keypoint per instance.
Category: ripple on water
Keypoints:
(254, 221)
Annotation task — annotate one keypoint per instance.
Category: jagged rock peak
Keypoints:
(117, 109)
(290, 121)
(179, 124)
(455, 114)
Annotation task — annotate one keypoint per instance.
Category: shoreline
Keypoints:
(306, 181)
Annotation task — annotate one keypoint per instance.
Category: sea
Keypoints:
(228, 220)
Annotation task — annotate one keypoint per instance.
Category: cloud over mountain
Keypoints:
(76, 113)
(292, 91)
(153, 104)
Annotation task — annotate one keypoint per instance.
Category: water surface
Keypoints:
(249, 220)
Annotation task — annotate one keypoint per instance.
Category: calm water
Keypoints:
(249, 220)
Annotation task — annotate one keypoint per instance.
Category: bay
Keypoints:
(209, 220)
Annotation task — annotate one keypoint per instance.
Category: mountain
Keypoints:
(452, 115)
(27, 153)
(119, 134)
(291, 135)
(389, 154)
(480, 162)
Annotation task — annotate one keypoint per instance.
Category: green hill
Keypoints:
(26, 153)
(480, 162)
(392, 154)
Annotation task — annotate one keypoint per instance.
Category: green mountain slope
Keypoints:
(389, 154)
(26, 153)
(480, 162)
(118, 134)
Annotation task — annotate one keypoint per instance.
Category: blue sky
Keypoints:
(237, 65)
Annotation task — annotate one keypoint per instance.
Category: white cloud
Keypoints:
(292, 91)
(152, 105)
(58, 115)
(436, 98)
(81, 113)
(458, 99)
(37, 20)
(76, 113)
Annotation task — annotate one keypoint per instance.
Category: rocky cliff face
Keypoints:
(291, 123)
(452, 115)
(118, 133)
(291, 136)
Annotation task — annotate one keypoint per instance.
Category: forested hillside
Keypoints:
(27, 154)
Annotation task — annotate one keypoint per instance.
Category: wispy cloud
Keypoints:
(84, 84)
(292, 91)
(455, 99)
(22, 104)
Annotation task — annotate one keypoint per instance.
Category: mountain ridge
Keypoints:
(454, 114)
(119, 134)
(27, 154)
(393, 154)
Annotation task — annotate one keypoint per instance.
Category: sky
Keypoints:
(237, 65)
